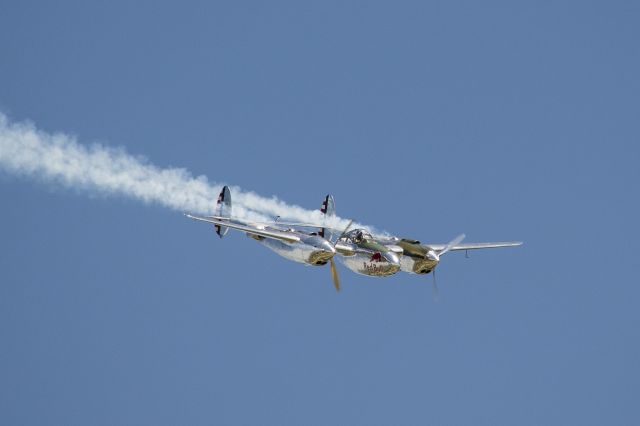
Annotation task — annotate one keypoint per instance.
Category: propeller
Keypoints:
(452, 244)
(346, 229)
(334, 274)
(435, 256)
(334, 270)
(434, 289)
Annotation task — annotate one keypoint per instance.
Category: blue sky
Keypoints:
(500, 120)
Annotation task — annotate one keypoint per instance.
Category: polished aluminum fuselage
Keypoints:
(311, 250)
(371, 265)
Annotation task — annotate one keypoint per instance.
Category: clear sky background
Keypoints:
(426, 119)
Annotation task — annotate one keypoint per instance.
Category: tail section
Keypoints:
(329, 210)
(223, 209)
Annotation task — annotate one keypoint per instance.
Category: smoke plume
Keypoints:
(60, 159)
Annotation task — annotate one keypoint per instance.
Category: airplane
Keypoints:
(359, 250)
(309, 248)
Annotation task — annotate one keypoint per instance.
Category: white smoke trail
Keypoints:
(60, 159)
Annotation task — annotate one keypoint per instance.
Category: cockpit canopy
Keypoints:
(357, 236)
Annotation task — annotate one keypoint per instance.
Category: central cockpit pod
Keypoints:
(357, 236)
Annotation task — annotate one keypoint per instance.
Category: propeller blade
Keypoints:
(334, 274)
(452, 244)
(346, 229)
(434, 289)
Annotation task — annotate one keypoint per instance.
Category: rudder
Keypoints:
(223, 209)
(328, 208)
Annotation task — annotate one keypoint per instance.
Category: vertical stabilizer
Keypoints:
(329, 210)
(223, 209)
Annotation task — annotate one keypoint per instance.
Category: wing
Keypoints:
(303, 225)
(287, 237)
(271, 223)
(476, 246)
